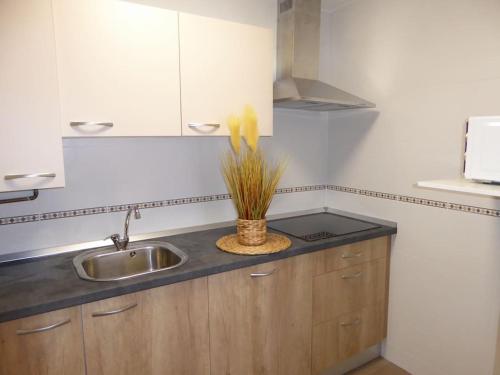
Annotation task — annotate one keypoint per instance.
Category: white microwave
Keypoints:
(482, 149)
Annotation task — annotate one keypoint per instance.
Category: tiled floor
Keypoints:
(379, 366)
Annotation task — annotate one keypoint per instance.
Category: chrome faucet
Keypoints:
(122, 243)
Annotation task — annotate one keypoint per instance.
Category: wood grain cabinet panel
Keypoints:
(349, 289)
(346, 336)
(350, 255)
(158, 331)
(261, 324)
(29, 346)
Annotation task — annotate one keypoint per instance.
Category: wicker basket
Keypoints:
(251, 232)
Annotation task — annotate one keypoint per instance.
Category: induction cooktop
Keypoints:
(320, 226)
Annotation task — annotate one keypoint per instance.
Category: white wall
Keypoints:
(428, 64)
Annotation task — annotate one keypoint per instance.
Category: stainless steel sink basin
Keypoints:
(138, 259)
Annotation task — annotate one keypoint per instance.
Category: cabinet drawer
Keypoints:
(350, 255)
(349, 289)
(347, 335)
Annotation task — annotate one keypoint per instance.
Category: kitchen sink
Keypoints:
(109, 264)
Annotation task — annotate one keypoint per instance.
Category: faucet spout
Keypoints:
(121, 243)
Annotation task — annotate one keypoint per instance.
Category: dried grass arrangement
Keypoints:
(251, 180)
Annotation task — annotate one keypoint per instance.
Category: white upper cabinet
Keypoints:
(118, 64)
(31, 155)
(224, 66)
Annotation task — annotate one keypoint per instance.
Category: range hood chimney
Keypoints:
(297, 85)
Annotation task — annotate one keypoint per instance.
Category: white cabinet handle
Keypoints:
(112, 312)
(196, 125)
(353, 323)
(351, 255)
(29, 175)
(42, 329)
(84, 123)
(262, 274)
(353, 276)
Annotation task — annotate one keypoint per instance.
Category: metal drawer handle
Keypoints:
(112, 312)
(351, 255)
(353, 323)
(85, 123)
(29, 175)
(353, 276)
(196, 125)
(42, 329)
(262, 274)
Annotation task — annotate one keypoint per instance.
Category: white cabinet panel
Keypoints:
(224, 66)
(118, 63)
(30, 133)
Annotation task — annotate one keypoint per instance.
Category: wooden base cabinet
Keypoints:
(260, 319)
(350, 290)
(158, 331)
(46, 344)
(298, 316)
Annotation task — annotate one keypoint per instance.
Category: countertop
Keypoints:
(40, 285)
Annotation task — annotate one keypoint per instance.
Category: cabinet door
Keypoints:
(158, 331)
(224, 66)
(260, 319)
(46, 344)
(118, 65)
(30, 134)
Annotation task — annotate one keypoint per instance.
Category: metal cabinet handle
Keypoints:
(262, 274)
(353, 276)
(353, 323)
(85, 123)
(351, 255)
(196, 125)
(112, 312)
(29, 175)
(42, 329)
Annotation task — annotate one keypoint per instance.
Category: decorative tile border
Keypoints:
(19, 219)
(420, 201)
(220, 197)
(142, 205)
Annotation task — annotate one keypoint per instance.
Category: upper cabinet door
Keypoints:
(224, 66)
(118, 64)
(31, 155)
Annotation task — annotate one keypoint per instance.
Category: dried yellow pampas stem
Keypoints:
(250, 127)
(234, 129)
(250, 178)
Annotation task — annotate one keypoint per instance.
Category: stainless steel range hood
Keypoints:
(297, 85)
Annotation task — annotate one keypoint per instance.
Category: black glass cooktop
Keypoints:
(320, 226)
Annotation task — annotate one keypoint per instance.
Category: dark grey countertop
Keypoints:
(40, 285)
